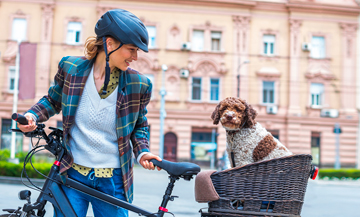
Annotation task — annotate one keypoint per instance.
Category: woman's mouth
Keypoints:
(127, 63)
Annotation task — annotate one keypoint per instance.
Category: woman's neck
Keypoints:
(99, 66)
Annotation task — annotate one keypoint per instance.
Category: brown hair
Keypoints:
(92, 47)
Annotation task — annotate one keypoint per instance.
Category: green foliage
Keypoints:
(339, 173)
(4, 154)
(14, 170)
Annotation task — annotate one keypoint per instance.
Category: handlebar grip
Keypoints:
(20, 119)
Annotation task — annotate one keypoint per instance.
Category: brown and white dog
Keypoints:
(247, 141)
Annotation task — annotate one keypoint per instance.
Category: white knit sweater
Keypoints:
(93, 139)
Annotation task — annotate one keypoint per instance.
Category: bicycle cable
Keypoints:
(26, 161)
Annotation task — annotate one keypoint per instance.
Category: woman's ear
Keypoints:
(110, 44)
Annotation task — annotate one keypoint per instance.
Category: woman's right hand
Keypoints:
(30, 127)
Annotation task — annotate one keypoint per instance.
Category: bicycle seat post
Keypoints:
(167, 195)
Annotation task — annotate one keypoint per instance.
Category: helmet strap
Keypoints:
(107, 67)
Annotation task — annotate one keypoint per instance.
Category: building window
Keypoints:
(203, 144)
(197, 40)
(73, 33)
(315, 148)
(11, 78)
(316, 94)
(152, 36)
(318, 47)
(215, 41)
(196, 89)
(19, 29)
(269, 44)
(268, 92)
(214, 89)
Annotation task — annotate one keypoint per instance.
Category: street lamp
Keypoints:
(162, 111)
(238, 76)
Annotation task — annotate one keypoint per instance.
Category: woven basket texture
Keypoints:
(282, 181)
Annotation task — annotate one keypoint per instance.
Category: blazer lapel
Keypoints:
(76, 87)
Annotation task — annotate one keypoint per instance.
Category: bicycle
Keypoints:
(53, 193)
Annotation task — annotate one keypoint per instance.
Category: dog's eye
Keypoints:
(223, 108)
(238, 109)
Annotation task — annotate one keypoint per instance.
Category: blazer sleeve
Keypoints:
(50, 104)
(140, 134)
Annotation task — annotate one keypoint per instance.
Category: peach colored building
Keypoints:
(293, 60)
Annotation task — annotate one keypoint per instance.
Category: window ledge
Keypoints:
(267, 104)
(320, 59)
(208, 52)
(317, 107)
(202, 101)
(265, 56)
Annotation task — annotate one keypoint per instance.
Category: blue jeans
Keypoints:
(80, 202)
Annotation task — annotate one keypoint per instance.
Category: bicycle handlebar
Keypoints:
(21, 119)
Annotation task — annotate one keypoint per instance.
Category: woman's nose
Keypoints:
(134, 55)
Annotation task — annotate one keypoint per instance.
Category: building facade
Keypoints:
(294, 61)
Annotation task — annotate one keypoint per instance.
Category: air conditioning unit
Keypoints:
(329, 113)
(271, 109)
(306, 46)
(186, 46)
(184, 73)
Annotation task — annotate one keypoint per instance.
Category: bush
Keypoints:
(4, 154)
(14, 170)
(339, 173)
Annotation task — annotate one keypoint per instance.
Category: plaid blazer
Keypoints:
(134, 92)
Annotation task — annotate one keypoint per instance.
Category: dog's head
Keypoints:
(234, 113)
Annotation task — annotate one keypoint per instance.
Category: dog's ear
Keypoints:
(215, 116)
(251, 115)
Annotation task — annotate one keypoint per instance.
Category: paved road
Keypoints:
(323, 198)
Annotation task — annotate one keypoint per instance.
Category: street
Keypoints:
(323, 198)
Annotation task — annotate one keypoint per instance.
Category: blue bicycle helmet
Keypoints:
(124, 27)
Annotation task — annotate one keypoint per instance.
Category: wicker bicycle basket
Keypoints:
(269, 188)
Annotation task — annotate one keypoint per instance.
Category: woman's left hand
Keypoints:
(145, 161)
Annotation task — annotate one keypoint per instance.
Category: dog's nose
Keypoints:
(229, 117)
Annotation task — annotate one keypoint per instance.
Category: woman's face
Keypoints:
(122, 57)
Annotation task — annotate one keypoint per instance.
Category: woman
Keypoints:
(103, 105)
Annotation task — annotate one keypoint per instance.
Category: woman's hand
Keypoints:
(31, 125)
(145, 161)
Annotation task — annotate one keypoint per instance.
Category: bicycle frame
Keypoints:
(52, 189)
(53, 192)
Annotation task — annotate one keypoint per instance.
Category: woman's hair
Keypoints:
(92, 47)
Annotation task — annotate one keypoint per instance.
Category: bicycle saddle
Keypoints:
(183, 169)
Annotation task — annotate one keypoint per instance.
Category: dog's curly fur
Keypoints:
(246, 138)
